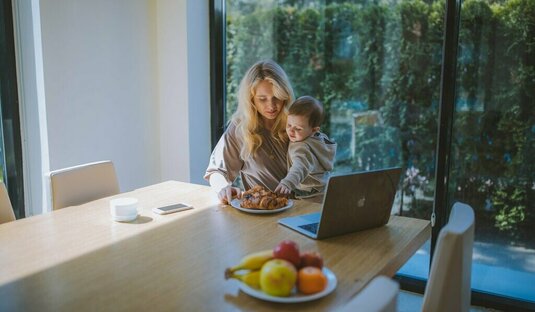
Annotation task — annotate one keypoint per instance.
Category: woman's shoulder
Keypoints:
(231, 127)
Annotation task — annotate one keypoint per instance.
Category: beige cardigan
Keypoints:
(267, 167)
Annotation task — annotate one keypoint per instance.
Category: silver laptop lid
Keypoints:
(358, 201)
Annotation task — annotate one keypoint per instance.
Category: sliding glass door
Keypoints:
(493, 149)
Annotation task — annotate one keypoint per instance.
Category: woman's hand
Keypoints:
(223, 188)
(283, 190)
(228, 193)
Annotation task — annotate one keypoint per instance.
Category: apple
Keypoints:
(311, 258)
(287, 250)
(278, 277)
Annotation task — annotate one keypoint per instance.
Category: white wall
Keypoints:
(183, 34)
(100, 74)
(121, 83)
(198, 63)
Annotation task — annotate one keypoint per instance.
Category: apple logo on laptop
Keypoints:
(361, 202)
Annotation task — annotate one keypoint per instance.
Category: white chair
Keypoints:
(448, 287)
(81, 184)
(6, 210)
(380, 295)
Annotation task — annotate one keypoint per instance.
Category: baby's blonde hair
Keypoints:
(247, 119)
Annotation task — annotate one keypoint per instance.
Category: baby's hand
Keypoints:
(283, 190)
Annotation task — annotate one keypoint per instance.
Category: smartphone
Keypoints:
(172, 208)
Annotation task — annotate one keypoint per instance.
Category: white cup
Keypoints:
(124, 209)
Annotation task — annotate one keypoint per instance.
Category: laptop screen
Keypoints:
(352, 202)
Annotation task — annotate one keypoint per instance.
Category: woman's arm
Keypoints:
(225, 165)
(218, 182)
(224, 189)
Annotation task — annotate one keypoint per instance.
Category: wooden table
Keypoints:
(77, 258)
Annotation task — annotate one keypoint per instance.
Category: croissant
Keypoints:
(260, 198)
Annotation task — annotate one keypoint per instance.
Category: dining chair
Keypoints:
(448, 287)
(81, 184)
(6, 210)
(380, 295)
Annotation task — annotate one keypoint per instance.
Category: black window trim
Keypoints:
(217, 69)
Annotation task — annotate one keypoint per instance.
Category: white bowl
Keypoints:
(124, 209)
(124, 218)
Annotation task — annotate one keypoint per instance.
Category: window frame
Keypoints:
(218, 73)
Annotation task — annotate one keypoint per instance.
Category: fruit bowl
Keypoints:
(295, 296)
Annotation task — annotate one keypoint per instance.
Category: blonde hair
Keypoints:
(247, 119)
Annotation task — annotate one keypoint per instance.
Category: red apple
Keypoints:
(311, 258)
(287, 250)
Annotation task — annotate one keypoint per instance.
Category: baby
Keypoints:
(310, 154)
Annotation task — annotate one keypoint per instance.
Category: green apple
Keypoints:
(278, 277)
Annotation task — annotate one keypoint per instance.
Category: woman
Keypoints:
(255, 144)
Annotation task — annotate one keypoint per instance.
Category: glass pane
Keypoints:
(10, 132)
(376, 67)
(493, 155)
(2, 156)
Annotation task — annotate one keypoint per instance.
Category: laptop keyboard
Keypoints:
(312, 227)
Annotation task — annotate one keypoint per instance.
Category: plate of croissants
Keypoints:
(260, 200)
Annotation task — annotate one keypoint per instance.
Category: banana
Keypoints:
(252, 261)
(251, 278)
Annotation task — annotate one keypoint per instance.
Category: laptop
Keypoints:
(352, 202)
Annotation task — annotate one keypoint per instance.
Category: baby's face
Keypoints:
(298, 128)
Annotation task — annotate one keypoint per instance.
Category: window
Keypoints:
(376, 66)
(10, 142)
(493, 150)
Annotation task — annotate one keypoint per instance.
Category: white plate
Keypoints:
(124, 218)
(295, 297)
(236, 204)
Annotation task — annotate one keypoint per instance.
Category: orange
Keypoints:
(311, 280)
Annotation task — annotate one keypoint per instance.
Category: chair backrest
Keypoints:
(6, 210)
(448, 287)
(81, 184)
(380, 295)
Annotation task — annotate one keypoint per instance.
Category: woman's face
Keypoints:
(266, 103)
